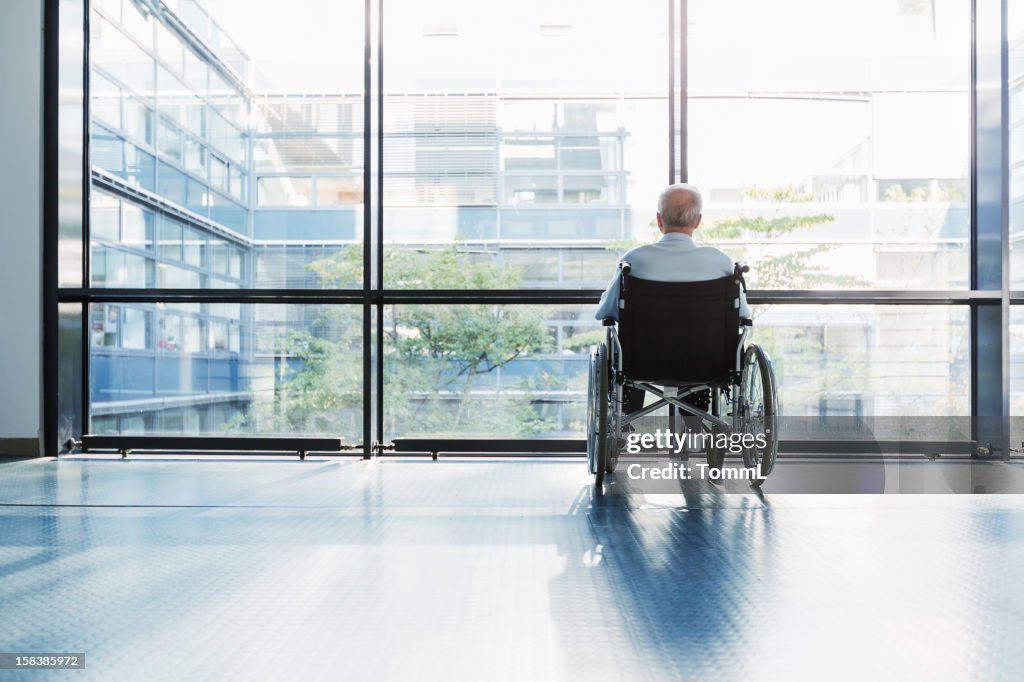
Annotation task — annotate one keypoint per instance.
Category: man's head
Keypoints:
(679, 208)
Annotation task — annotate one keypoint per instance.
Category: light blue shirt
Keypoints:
(673, 258)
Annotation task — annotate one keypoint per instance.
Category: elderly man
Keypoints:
(673, 258)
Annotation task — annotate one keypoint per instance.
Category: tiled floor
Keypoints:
(491, 570)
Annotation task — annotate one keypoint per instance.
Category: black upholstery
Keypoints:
(677, 333)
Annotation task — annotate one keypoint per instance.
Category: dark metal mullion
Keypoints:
(380, 221)
(684, 83)
(50, 330)
(510, 296)
(86, 213)
(367, 232)
(1004, 131)
(989, 222)
(671, 92)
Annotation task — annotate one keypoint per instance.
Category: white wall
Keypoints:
(21, 68)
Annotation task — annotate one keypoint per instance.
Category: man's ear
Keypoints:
(661, 223)
(697, 224)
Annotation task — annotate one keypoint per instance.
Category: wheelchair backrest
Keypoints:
(679, 332)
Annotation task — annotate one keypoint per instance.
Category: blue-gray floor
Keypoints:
(492, 570)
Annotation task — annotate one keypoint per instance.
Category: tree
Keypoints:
(438, 359)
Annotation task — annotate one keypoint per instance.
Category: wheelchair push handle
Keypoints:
(738, 268)
(625, 267)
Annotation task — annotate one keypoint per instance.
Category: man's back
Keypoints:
(674, 258)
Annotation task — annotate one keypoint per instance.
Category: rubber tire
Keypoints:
(758, 388)
(597, 414)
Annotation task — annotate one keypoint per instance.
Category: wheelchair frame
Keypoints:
(607, 378)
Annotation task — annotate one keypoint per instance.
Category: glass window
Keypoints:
(170, 49)
(106, 150)
(138, 23)
(169, 140)
(136, 329)
(1016, 374)
(104, 99)
(138, 121)
(140, 167)
(174, 277)
(195, 157)
(138, 226)
(218, 172)
(590, 189)
(1015, 33)
(816, 189)
(339, 191)
(104, 216)
(315, 353)
(473, 137)
(286, 191)
(171, 183)
(169, 245)
(194, 246)
(531, 189)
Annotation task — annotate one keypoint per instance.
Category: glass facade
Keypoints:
(520, 149)
(830, 160)
(530, 159)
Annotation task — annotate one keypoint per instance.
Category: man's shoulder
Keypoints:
(713, 252)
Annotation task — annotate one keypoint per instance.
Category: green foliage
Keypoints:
(781, 266)
(439, 359)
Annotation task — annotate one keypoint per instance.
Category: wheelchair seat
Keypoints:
(679, 333)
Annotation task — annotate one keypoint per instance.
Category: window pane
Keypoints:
(1016, 375)
(505, 129)
(817, 150)
(1015, 12)
(298, 372)
(487, 370)
(286, 191)
(868, 360)
(339, 191)
(104, 217)
(842, 360)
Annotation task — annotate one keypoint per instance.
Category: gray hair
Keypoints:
(680, 213)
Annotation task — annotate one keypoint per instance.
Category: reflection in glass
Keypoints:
(519, 370)
(238, 369)
(1015, 33)
(1017, 376)
(538, 129)
(829, 160)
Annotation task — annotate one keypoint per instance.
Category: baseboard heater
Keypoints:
(489, 446)
(271, 445)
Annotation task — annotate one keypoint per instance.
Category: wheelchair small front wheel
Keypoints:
(597, 414)
(757, 413)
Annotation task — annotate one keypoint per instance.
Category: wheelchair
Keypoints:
(677, 341)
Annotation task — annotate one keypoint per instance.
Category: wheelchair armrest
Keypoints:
(608, 322)
(747, 322)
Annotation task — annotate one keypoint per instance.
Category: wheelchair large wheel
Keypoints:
(597, 414)
(614, 420)
(758, 411)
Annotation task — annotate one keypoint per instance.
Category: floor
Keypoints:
(494, 570)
